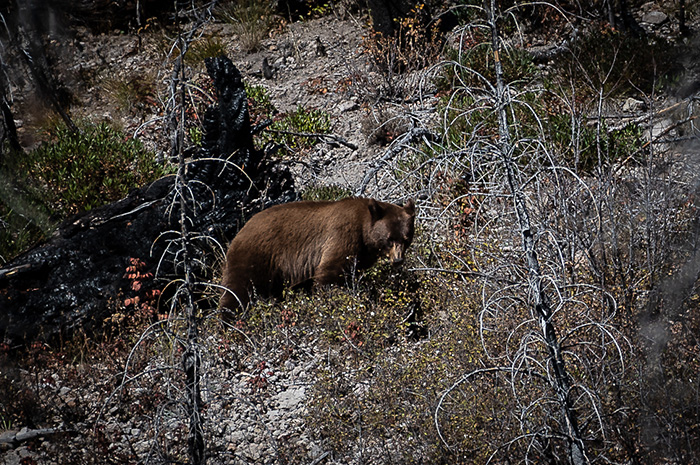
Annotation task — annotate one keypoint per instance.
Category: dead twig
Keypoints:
(411, 137)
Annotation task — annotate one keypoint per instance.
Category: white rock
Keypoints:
(290, 398)
(347, 106)
(655, 17)
(237, 436)
(633, 105)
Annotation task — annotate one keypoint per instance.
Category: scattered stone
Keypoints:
(632, 105)
(347, 106)
(661, 127)
(17, 456)
(320, 48)
(292, 397)
(267, 70)
(655, 17)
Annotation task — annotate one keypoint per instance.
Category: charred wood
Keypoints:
(78, 278)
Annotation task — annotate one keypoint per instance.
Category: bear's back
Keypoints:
(295, 223)
(285, 243)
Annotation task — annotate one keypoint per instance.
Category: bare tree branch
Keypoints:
(541, 301)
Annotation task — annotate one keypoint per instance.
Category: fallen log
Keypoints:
(14, 438)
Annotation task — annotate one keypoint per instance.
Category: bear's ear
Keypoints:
(410, 207)
(375, 210)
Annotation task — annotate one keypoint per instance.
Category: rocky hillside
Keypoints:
(547, 312)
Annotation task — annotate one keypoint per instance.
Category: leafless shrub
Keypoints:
(571, 266)
(384, 125)
(168, 360)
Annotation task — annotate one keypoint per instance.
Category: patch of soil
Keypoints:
(316, 64)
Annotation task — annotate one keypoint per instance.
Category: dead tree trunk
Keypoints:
(32, 51)
(9, 126)
(541, 304)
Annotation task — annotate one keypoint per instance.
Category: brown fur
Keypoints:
(305, 243)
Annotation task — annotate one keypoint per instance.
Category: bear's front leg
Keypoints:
(332, 269)
(236, 293)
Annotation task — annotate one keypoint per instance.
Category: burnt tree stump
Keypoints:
(78, 277)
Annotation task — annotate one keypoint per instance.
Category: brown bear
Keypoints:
(300, 244)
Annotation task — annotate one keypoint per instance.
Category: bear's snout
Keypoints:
(396, 254)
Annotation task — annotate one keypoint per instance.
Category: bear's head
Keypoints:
(391, 231)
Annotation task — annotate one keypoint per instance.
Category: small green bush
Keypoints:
(285, 127)
(19, 228)
(617, 64)
(301, 121)
(259, 104)
(318, 9)
(473, 67)
(615, 145)
(72, 172)
(381, 383)
(332, 192)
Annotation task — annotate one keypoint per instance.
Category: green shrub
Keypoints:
(72, 172)
(473, 66)
(318, 9)
(616, 64)
(615, 145)
(285, 128)
(195, 134)
(259, 104)
(19, 228)
(378, 383)
(301, 121)
(332, 192)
